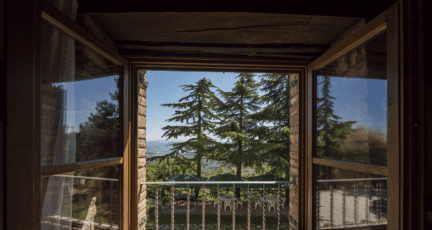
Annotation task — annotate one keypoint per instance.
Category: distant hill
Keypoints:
(162, 147)
(159, 146)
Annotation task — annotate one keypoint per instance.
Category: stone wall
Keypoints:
(142, 101)
(294, 152)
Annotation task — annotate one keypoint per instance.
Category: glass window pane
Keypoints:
(69, 7)
(348, 198)
(81, 200)
(352, 105)
(79, 101)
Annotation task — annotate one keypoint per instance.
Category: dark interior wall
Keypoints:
(428, 74)
(2, 112)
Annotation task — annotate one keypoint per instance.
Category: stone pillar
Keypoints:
(142, 101)
(294, 152)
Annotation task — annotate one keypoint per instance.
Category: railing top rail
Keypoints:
(220, 182)
(86, 177)
(350, 180)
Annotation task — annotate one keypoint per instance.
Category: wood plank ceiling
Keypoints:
(288, 36)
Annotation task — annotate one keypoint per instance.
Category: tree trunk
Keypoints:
(199, 133)
(237, 192)
(288, 150)
(239, 166)
(197, 190)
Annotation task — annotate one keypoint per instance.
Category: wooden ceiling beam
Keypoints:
(367, 9)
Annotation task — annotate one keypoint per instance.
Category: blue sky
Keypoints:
(164, 88)
(362, 100)
(82, 97)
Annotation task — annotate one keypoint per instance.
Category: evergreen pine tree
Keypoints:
(329, 129)
(238, 105)
(272, 125)
(196, 112)
(99, 135)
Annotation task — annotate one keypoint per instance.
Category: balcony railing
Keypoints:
(91, 223)
(366, 197)
(218, 184)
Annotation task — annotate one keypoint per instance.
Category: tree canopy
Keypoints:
(196, 113)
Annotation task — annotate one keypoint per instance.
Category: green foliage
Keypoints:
(165, 200)
(149, 206)
(225, 220)
(162, 170)
(330, 130)
(99, 136)
(196, 112)
(235, 126)
(273, 123)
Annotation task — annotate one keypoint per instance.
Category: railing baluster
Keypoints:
(157, 207)
(203, 207)
(278, 205)
(111, 203)
(100, 203)
(263, 205)
(343, 205)
(367, 203)
(318, 207)
(219, 207)
(233, 205)
(188, 207)
(331, 206)
(79, 200)
(355, 204)
(249, 207)
(379, 203)
(172, 206)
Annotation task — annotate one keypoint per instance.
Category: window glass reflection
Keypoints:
(352, 105)
(79, 101)
(347, 198)
(81, 200)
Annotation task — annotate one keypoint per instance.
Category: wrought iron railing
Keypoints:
(248, 183)
(366, 197)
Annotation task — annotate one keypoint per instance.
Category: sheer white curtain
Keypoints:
(58, 61)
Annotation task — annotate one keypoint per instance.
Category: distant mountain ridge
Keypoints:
(159, 146)
(162, 147)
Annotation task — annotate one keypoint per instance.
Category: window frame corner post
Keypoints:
(128, 146)
(413, 118)
(23, 133)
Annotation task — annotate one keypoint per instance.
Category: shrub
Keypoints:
(150, 210)
(164, 200)
(149, 206)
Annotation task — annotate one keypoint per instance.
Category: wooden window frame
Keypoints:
(220, 64)
(24, 176)
(386, 21)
